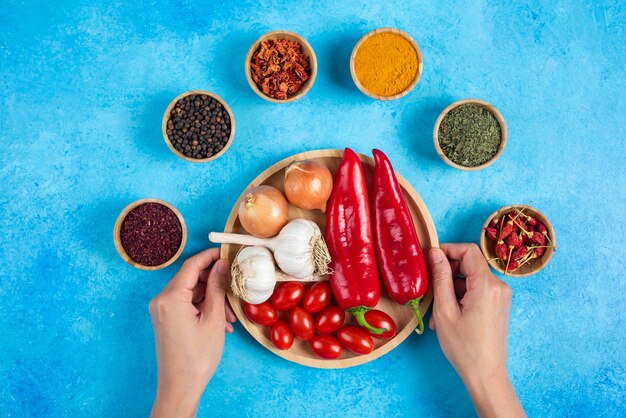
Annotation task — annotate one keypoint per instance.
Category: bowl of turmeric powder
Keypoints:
(386, 64)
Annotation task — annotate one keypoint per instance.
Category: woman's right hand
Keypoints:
(471, 316)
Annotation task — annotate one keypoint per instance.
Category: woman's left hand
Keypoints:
(190, 317)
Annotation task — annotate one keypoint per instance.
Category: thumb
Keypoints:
(216, 286)
(443, 286)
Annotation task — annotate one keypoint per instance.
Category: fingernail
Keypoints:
(222, 266)
(436, 255)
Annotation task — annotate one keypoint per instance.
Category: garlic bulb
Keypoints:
(253, 275)
(295, 251)
(299, 248)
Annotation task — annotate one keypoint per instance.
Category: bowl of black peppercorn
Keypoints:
(198, 126)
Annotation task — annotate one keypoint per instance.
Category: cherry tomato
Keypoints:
(287, 295)
(301, 323)
(262, 313)
(317, 297)
(330, 319)
(281, 335)
(326, 346)
(380, 319)
(355, 339)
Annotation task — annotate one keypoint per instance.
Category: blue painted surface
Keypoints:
(82, 92)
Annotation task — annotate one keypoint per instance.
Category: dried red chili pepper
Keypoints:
(279, 68)
(542, 228)
(492, 233)
(514, 240)
(539, 251)
(502, 251)
(519, 253)
(506, 230)
(398, 250)
(512, 265)
(354, 280)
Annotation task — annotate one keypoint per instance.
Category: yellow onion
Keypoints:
(263, 211)
(308, 185)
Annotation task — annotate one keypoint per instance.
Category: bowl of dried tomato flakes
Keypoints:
(281, 66)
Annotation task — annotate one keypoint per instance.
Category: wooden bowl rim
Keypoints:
(166, 117)
(543, 261)
(118, 226)
(388, 344)
(377, 31)
(308, 49)
(494, 111)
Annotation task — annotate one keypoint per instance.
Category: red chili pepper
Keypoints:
(354, 280)
(539, 251)
(492, 233)
(519, 253)
(513, 240)
(502, 251)
(507, 230)
(400, 258)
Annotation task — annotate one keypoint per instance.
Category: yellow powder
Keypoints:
(386, 64)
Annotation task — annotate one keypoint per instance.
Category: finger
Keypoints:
(189, 274)
(229, 328)
(216, 287)
(459, 288)
(204, 275)
(198, 293)
(431, 323)
(230, 315)
(443, 287)
(472, 261)
(455, 266)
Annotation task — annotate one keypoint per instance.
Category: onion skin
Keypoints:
(263, 211)
(308, 185)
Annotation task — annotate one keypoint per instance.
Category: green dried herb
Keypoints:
(470, 135)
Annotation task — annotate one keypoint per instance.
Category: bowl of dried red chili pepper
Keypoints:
(150, 234)
(517, 240)
(281, 66)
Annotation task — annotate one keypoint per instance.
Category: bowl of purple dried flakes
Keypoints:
(150, 234)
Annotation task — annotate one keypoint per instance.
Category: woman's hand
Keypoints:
(471, 317)
(189, 318)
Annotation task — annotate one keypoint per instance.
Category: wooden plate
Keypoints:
(404, 317)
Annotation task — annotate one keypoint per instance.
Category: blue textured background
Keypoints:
(82, 92)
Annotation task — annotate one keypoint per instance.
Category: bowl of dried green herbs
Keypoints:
(470, 134)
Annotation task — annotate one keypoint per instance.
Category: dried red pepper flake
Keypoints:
(151, 234)
(280, 68)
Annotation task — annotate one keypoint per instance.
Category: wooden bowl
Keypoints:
(118, 227)
(404, 317)
(166, 117)
(306, 49)
(533, 266)
(368, 35)
(482, 104)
